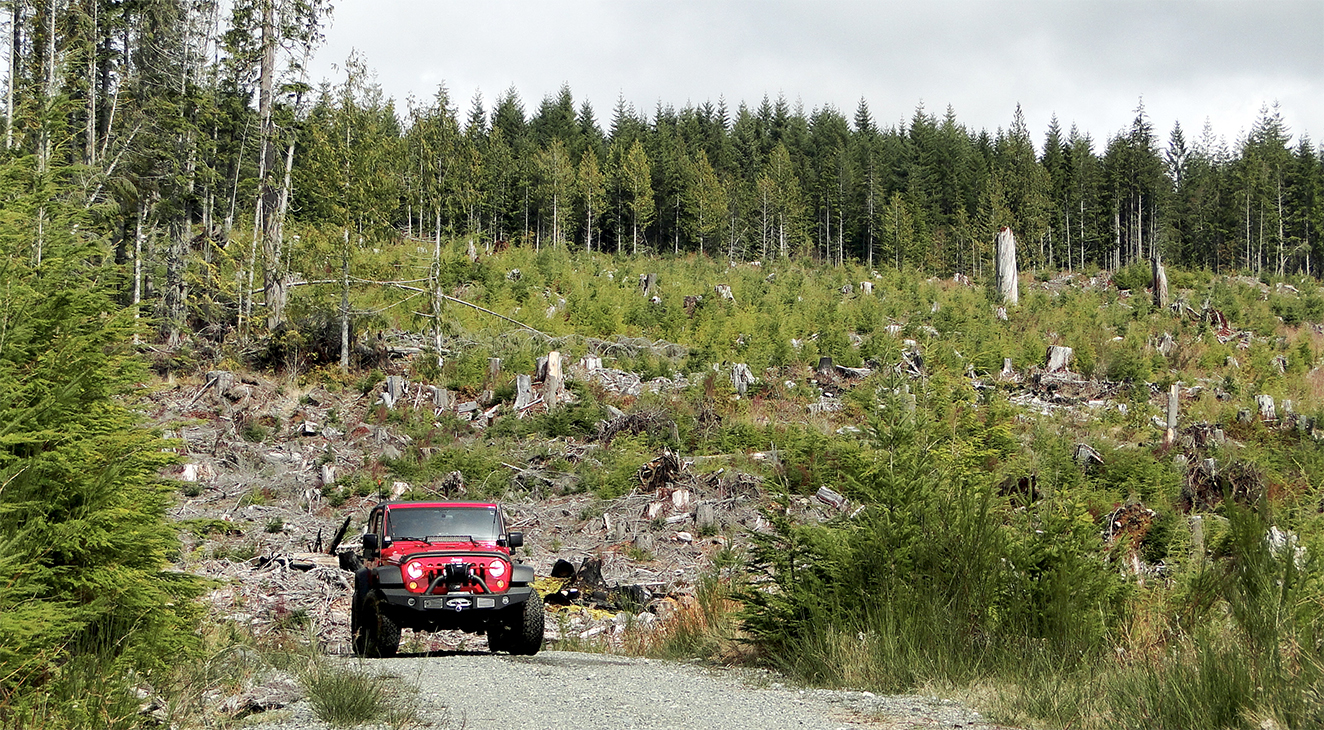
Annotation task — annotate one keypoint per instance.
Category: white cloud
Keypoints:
(1088, 62)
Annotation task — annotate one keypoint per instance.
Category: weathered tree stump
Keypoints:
(741, 377)
(442, 398)
(704, 517)
(523, 391)
(1059, 358)
(552, 383)
(1265, 404)
(1008, 286)
(396, 387)
(221, 381)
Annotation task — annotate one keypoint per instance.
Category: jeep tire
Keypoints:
(526, 630)
(374, 633)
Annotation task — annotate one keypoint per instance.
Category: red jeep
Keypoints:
(430, 566)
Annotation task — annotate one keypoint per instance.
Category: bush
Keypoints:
(943, 581)
(345, 697)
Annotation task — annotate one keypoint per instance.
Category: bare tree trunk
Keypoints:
(268, 197)
(588, 226)
(138, 269)
(48, 88)
(176, 289)
(90, 149)
(436, 292)
(1008, 286)
(344, 305)
(1117, 239)
(1170, 433)
(15, 45)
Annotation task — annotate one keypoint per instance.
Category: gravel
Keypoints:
(558, 690)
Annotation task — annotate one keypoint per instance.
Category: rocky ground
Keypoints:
(256, 454)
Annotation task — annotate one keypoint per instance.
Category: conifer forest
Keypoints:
(180, 197)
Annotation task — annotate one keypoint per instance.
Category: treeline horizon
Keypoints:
(186, 134)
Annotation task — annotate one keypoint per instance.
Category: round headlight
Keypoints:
(496, 569)
(414, 570)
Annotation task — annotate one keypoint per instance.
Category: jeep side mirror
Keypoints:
(515, 539)
(370, 545)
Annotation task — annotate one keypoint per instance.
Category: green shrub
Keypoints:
(345, 697)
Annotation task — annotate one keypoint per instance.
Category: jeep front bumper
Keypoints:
(457, 603)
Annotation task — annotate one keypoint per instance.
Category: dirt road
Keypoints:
(558, 690)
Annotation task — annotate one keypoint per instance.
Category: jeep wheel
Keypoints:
(375, 634)
(525, 634)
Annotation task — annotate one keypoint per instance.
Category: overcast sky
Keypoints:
(1089, 62)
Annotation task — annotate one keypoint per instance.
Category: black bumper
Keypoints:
(440, 607)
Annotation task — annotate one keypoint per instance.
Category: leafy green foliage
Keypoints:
(936, 565)
(83, 534)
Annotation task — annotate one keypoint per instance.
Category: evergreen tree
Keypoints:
(84, 539)
(556, 177)
(591, 192)
(708, 202)
(636, 184)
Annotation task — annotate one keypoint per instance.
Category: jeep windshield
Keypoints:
(442, 524)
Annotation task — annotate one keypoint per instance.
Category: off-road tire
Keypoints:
(525, 636)
(375, 634)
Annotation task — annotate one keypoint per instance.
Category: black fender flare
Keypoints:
(521, 575)
(386, 576)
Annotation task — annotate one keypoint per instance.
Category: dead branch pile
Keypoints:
(1208, 484)
(1131, 522)
(653, 421)
(660, 472)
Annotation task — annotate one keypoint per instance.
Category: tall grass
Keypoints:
(942, 580)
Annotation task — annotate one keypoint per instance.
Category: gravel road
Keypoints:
(556, 690)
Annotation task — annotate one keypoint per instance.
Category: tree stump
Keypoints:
(552, 383)
(1265, 404)
(523, 391)
(704, 517)
(1008, 287)
(221, 381)
(396, 387)
(1059, 358)
(741, 377)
